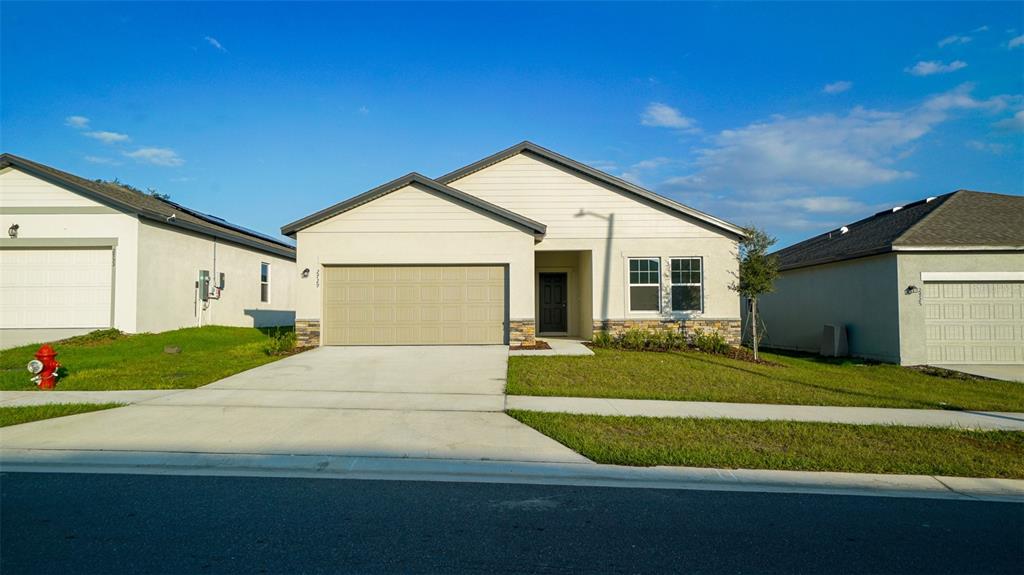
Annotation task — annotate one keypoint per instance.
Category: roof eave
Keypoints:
(594, 173)
(536, 228)
(55, 179)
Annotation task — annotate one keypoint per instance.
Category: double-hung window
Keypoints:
(686, 284)
(644, 284)
(264, 282)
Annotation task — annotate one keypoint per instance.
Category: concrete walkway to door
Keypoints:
(405, 402)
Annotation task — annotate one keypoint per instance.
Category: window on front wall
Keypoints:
(687, 294)
(264, 282)
(644, 284)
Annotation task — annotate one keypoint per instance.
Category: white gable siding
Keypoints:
(20, 189)
(554, 196)
(410, 210)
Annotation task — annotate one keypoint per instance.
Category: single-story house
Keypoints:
(520, 243)
(82, 255)
(938, 281)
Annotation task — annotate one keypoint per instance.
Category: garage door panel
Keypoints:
(55, 288)
(973, 322)
(407, 305)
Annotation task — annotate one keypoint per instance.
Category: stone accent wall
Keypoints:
(522, 332)
(307, 332)
(729, 328)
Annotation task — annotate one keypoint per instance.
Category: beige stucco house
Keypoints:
(523, 242)
(938, 281)
(81, 255)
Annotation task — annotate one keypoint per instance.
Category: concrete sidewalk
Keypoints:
(559, 346)
(768, 412)
(542, 473)
(27, 398)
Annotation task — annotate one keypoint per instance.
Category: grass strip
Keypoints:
(802, 446)
(25, 414)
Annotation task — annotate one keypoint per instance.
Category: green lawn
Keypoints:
(736, 444)
(16, 415)
(108, 360)
(695, 376)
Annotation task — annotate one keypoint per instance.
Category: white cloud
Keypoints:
(364, 110)
(77, 122)
(1015, 42)
(954, 39)
(980, 29)
(785, 157)
(826, 204)
(1015, 123)
(990, 147)
(664, 116)
(634, 172)
(837, 87)
(102, 160)
(156, 156)
(108, 137)
(215, 43)
(930, 67)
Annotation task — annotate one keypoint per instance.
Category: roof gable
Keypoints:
(958, 220)
(149, 207)
(586, 171)
(447, 192)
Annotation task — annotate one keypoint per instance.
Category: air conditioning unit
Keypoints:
(833, 341)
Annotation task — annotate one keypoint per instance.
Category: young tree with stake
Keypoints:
(757, 272)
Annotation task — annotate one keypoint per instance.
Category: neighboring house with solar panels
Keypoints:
(938, 281)
(82, 255)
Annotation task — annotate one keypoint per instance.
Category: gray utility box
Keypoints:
(833, 341)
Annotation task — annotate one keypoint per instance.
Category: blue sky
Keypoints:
(795, 117)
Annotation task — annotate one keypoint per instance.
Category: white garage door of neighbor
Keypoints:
(413, 305)
(974, 322)
(51, 288)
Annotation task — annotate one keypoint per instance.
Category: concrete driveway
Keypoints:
(408, 402)
(1004, 372)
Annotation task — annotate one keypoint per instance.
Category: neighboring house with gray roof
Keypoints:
(82, 255)
(938, 281)
(520, 243)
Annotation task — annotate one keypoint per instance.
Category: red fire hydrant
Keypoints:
(45, 366)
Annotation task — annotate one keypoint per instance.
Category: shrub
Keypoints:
(280, 343)
(603, 339)
(709, 342)
(635, 339)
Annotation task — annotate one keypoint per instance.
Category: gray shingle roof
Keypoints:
(152, 208)
(958, 220)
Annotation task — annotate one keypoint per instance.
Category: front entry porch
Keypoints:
(564, 288)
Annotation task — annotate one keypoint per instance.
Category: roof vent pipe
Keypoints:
(930, 198)
(896, 209)
(844, 230)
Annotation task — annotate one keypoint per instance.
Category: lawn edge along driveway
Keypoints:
(790, 380)
(784, 445)
(24, 414)
(110, 360)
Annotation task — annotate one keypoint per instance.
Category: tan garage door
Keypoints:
(974, 322)
(411, 305)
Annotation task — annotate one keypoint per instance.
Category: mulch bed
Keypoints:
(539, 344)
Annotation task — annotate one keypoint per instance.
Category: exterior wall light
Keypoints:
(305, 273)
(13, 230)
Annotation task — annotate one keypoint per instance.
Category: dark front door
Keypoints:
(554, 305)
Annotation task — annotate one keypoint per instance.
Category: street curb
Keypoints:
(449, 470)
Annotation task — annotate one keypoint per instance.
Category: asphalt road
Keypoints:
(70, 523)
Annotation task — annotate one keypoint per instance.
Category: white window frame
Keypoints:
(630, 284)
(672, 284)
(262, 283)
